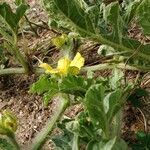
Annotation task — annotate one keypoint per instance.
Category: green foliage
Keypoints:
(5, 145)
(19, 2)
(42, 85)
(105, 24)
(63, 140)
(102, 100)
(112, 16)
(136, 95)
(94, 103)
(143, 13)
(47, 86)
(9, 24)
(102, 107)
(10, 20)
(143, 141)
(103, 145)
(75, 85)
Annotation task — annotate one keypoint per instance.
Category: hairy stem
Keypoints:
(102, 40)
(13, 140)
(41, 138)
(75, 145)
(19, 56)
(84, 69)
(8, 71)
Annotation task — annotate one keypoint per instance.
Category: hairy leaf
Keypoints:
(63, 141)
(94, 105)
(12, 19)
(112, 16)
(5, 145)
(143, 13)
(114, 103)
(75, 85)
(47, 97)
(72, 13)
(44, 84)
(102, 145)
(130, 11)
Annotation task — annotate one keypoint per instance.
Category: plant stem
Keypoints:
(18, 55)
(41, 138)
(106, 132)
(13, 140)
(8, 71)
(84, 69)
(30, 24)
(75, 144)
(102, 40)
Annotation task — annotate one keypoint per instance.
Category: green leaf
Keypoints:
(143, 142)
(75, 85)
(42, 85)
(109, 145)
(102, 145)
(112, 16)
(47, 97)
(5, 145)
(120, 144)
(143, 13)
(115, 80)
(73, 11)
(19, 2)
(47, 86)
(113, 103)
(93, 145)
(20, 11)
(9, 21)
(63, 141)
(94, 105)
(11, 18)
(8, 15)
(130, 12)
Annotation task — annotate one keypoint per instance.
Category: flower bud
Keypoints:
(8, 122)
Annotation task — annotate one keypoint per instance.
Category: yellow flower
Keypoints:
(60, 40)
(65, 66)
(8, 122)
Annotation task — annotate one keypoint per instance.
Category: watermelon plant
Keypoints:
(97, 126)
(107, 24)
(9, 24)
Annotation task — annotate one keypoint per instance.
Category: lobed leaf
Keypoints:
(43, 85)
(75, 85)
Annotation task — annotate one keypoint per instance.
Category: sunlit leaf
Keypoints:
(42, 85)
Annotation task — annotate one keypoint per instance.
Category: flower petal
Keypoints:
(54, 71)
(46, 66)
(63, 65)
(78, 61)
